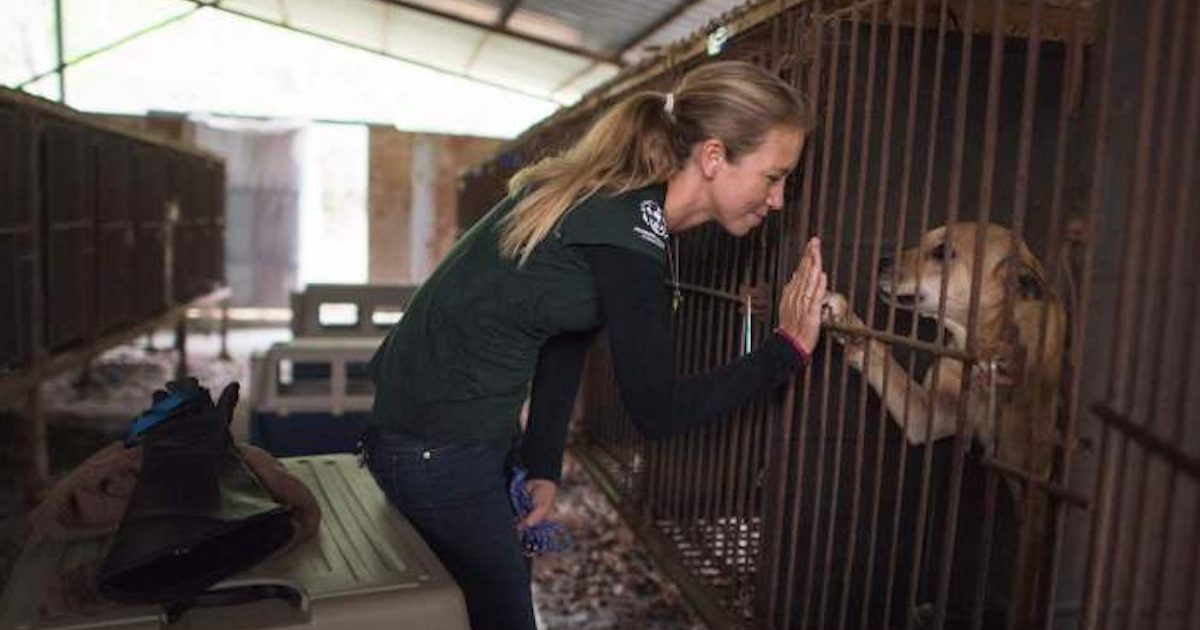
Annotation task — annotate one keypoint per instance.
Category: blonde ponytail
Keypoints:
(642, 141)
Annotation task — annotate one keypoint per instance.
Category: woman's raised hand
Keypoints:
(802, 297)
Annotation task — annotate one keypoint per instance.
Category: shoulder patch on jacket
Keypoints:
(633, 221)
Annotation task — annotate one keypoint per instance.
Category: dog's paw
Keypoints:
(836, 310)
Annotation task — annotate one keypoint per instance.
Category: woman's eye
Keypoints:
(941, 253)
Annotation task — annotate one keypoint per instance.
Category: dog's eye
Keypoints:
(941, 252)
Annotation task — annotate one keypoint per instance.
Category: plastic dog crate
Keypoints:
(312, 395)
(366, 569)
(348, 310)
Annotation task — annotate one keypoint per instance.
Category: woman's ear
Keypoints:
(711, 153)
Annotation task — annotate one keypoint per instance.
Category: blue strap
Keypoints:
(546, 536)
(161, 410)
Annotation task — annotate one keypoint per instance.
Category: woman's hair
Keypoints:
(642, 141)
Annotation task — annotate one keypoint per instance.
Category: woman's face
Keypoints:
(743, 192)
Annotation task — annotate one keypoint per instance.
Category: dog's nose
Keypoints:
(885, 264)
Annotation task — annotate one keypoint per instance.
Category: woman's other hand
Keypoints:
(800, 302)
(543, 492)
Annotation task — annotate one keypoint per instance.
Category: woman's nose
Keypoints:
(775, 197)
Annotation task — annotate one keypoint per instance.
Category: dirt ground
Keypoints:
(605, 581)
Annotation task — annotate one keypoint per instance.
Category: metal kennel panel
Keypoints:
(931, 113)
(68, 226)
(150, 226)
(216, 192)
(16, 239)
(211, 266)
(115, 285)
(1143, 553)
(196, 245)
(698, 499)
(185, 221)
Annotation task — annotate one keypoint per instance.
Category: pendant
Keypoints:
(676, 300)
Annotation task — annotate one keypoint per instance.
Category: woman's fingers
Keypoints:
(542, 491)
(806, 263)
(810, 273)
(798, 296)
(814, 307)
(804, 291)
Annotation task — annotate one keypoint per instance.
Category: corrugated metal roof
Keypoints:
(554, 49)
(605, 26)
(688, 22)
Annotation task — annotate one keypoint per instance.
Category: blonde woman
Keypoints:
(580, 243)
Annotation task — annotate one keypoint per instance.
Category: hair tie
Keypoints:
(669, 105)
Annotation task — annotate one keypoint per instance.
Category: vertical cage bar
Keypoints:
(822, 204)
(1188, 309)
(926, 460)
(952, 215)
(1109, 480)
(1163, 226)
(1078, 323)
(860, 438)
(1129, 301)
(789, 411)
(877, 242)
(951, 518)
(839, 216)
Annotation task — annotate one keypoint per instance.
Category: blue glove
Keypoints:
(544, 537)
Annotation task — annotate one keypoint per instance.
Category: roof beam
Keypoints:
(356, 46)
(507, 13)
(504, 30)
(654, 26)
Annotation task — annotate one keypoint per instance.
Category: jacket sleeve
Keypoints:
(552, 397)
(635, 316)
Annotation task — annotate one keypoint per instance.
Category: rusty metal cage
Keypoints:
(84, 229)
(933, 115)
(1144, 391)
(69, 232)
(1023, 175)
(114, 229)
(16, 238)
(149, 211)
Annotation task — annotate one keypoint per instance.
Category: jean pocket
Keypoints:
(458, 472)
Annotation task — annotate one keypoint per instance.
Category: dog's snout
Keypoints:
(885, 264)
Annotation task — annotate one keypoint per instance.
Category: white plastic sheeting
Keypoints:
(220, 63)
(333, 206)
(27, 46)
(210, 61)
(441, 66)
(264, 163)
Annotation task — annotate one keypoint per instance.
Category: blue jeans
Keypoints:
(456, 496)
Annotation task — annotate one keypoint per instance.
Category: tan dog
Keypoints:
(1026, 350)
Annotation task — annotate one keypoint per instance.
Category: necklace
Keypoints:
(673, 265)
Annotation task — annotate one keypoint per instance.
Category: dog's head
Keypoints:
(914, 280)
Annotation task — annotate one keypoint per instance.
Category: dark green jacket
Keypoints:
(458, 364)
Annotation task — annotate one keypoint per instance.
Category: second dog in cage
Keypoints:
(1018, 332)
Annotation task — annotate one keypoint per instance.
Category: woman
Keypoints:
(581, 242)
